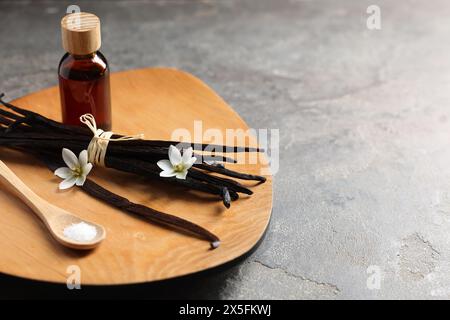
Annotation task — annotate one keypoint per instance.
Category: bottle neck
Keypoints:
(84, 56)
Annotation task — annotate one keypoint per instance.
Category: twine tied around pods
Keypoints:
(100, 141)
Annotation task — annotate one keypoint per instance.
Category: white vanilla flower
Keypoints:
(177, 165)
(76, 171)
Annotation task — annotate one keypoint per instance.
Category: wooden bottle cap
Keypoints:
(81, 33)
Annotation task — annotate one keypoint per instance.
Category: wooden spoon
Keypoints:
(56, 219)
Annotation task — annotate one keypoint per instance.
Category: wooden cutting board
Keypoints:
(155, 102)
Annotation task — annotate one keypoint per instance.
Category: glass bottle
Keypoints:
(83, 72)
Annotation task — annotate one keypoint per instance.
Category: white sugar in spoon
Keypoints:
(55, 219)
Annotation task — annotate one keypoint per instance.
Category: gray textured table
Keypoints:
(363, 115)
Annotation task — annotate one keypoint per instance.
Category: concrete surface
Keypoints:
(363, 118)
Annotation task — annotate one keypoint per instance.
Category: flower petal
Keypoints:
(174, 155)
(70, 158)
(167, 174)
(68, 183)
(165, 165)
(80, 180)
(181, 174)
(190, 163)
(187, 155)
(63, 172)
(83, 158)
(87, 169)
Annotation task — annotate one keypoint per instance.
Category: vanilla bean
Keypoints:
(10, 115)
(226, 197)
(161, 218)
(33, 132)
(35, 118)
(155, 153)
(153, 215)
(222, 170)
(195, 146)
(161, 143)
(230, 184)
(212, 184)
(6, 122)
(152, 171)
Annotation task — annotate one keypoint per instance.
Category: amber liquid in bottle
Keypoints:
(84, 88)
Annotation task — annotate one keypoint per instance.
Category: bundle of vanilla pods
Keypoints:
(37, 135)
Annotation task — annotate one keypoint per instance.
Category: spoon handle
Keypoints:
(31, 199)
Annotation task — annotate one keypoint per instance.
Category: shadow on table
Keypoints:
(205, 285)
